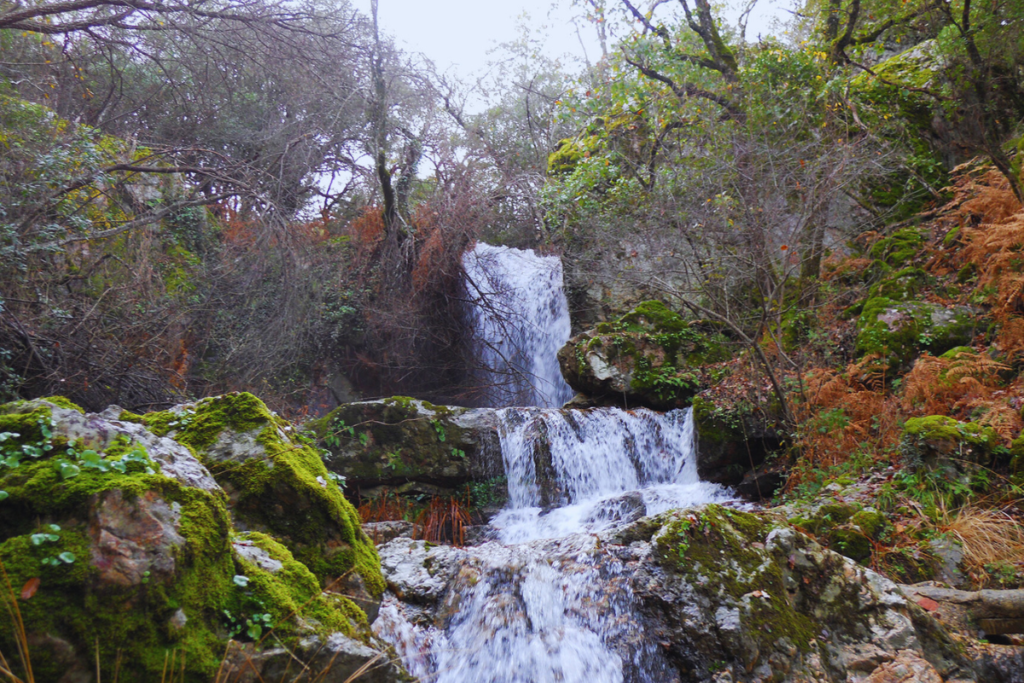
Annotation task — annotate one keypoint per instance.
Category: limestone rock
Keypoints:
(134, 538)
(399, 440)
(649, 357)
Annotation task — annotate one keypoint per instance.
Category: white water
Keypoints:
(610, 467)
(548, 601)
(521, 318)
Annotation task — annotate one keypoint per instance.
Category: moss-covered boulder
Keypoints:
(897, 331)
(648, 357)
(276, 483)
(404, 442)
(730, 591)
(119, 544)
(940, 441)
(734, 440)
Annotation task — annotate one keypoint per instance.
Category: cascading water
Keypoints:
(521, 318)
(546, 601)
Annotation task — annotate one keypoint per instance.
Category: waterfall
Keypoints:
(546, 601)
(606, 467)
(521, 318)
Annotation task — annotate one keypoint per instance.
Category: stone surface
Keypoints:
(134, 538)
(99, 431)
(400, 440)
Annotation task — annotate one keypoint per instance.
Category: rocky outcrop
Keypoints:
(733, 443)
(402, 441)
(648, 357)
(725, 595)
(116, 536)
(940, 441)
(898, 331)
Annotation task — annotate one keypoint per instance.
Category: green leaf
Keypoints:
(4, 495)
(254, 631)
(68, 470)
(241, 580)
(54, 528)
(67, 557)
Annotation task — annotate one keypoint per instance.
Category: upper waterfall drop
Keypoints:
(520, 318)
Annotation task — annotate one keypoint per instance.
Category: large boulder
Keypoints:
(937, 441)
(730, 591)
(648, 357)
(734, 441)
(118, 544)
(276, 483)
(897, 331)
(400, 441)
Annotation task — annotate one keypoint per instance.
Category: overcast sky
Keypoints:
(457, 34)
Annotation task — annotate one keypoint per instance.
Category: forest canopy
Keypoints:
(208, 195)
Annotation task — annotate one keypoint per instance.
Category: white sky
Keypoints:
(457, 34)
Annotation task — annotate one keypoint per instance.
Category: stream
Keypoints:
(543, 601)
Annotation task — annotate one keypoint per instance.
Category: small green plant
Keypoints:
(439, 429)
(45, 538)
(459, 453)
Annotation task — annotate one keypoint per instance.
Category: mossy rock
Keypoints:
(649, 357)
(937, 440)
(276, 483)
(397, 440)
(743, 591)
(734, 439)
(898, 331)
(143, 562)
(903, 286)
(899, 248)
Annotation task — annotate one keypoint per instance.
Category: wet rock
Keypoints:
(726, 587)
(413, 572)
(621, 510)
(134, 538)
(648, 357)
(398, 440)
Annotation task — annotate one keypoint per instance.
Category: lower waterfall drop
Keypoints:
(547, 601)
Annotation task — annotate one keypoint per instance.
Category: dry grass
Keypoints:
(986, 536)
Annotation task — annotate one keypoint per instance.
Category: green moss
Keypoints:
(871, 522)
(286, 490)
(62, 402)
(850, 542)
(130, 623)
(128, 416)
(955, 351)
(199, 426)
(904, 285)
(942, 428)
(294, 590)
(720, 553)
(897, 330)
(899, 248)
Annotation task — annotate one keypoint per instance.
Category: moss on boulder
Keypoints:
(400, 439)
(124, 542)
(748, 594)
(937, 440)
(732, 440)
(276, 482)
(897, 331)
(648, 357)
